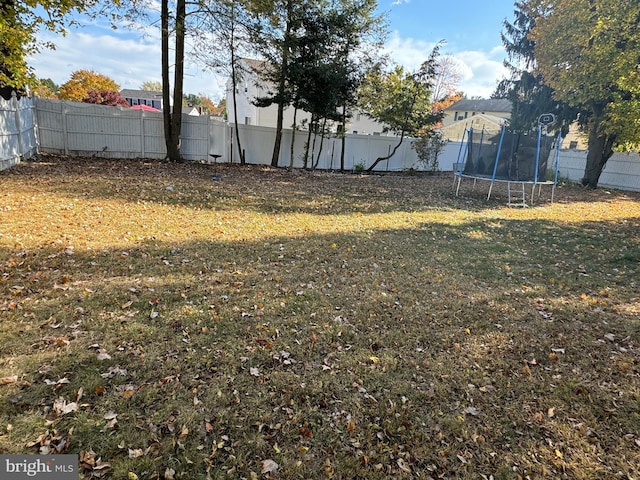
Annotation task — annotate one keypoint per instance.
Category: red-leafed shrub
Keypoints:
(105, 97)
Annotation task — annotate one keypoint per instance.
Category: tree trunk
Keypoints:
(278, 141)
(172, 117)
(282, 83)
(324, 126)
(600, 150)
(234, 84)
(235, 112)
(343, 137)
(308, 144)
(166, 87)
(293, 137)
(178, 82)
(387, 157)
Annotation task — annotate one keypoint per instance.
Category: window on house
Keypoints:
(573, 144)
(465, 114)
(455, 117)
(247, 120)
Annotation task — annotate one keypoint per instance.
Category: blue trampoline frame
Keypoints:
(462, 158)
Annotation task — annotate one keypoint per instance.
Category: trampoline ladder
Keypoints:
(517, 196)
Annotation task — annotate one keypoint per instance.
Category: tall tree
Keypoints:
(528, 94)
(173, 20)
(289, 38)
(20, 21)
(230, 20)
(402, 100)
(587, 52)
(448, 75)
(274, 36)
(81, 82)
(46, 88)
(151, 86)
(363, 34)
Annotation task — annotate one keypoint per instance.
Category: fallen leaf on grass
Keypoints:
(62, 407)
(127, 391)
(54, 382)
(50, 443)
(351, 426)
(254, 371)
(112, 419)
(58, 341)
(269, 466)
(8, 380)
(102, 354)
(135, 452)
(472, 411)
(403, 465)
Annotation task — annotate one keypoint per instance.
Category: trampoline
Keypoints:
(517, 159)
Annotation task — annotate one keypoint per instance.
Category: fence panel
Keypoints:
(621, 171)
(17, 131)
(82, 129)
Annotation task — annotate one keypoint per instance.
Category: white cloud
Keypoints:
(131, 58)
(128, 58)
(484, 71)
(480, 70)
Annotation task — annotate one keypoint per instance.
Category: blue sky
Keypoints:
(471, 30)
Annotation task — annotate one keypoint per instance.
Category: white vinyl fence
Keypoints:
(360, 150)
(622, 170)
(17, 131)
(82, 129)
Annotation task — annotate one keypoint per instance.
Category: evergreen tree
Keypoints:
(528, 94)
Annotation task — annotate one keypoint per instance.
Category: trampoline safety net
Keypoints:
(516, 159)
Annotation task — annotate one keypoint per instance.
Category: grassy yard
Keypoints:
(305, 326)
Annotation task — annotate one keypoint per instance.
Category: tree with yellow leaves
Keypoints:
(587, 52)
(77, 88)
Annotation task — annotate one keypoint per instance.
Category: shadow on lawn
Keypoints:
(441, 350)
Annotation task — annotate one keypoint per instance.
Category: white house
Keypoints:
(251, 86)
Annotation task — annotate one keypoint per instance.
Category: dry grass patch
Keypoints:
(293, 325)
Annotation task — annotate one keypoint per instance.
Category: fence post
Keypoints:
(142, 149)
(65, 135)
(16, 106)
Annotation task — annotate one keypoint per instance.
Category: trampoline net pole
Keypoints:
(495, 164)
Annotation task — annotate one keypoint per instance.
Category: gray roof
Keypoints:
(148, 94)
(481, 105)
